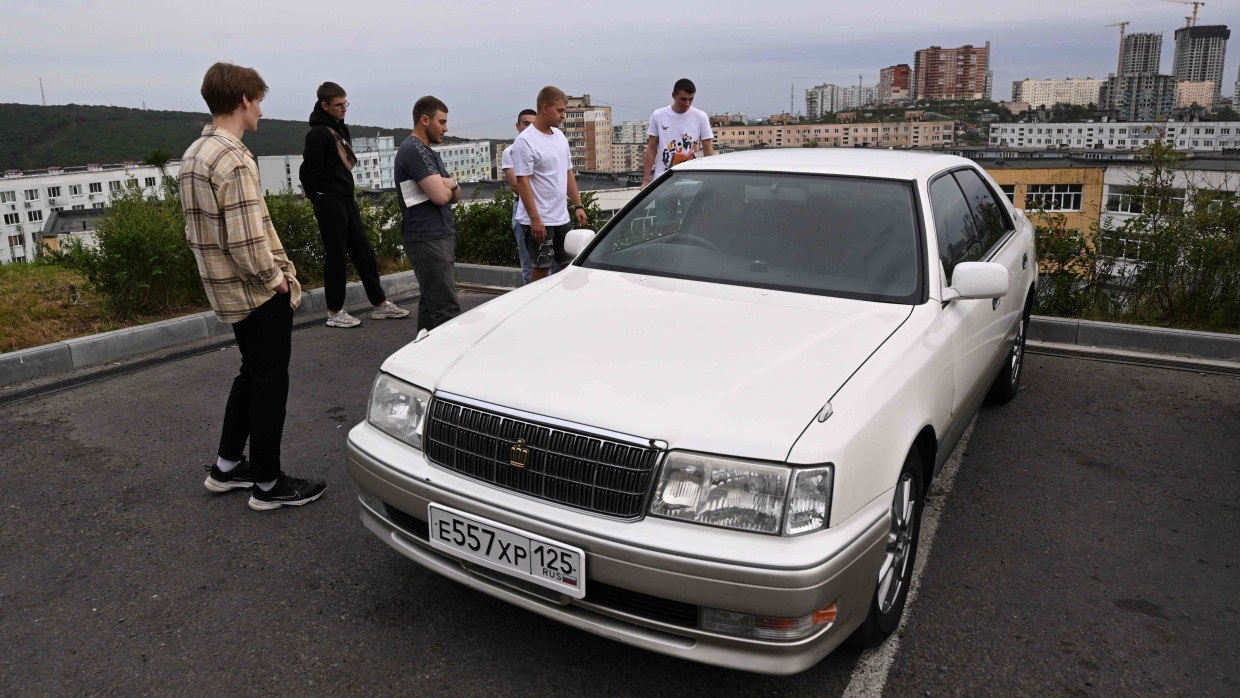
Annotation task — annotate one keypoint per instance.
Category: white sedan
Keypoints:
(711, 435)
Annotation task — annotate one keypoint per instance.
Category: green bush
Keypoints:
(293, 218)
(142, 264)
(484, 230)
(382, 223)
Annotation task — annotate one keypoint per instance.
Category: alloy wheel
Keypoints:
(892, 575)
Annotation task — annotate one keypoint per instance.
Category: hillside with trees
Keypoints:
(76, 134)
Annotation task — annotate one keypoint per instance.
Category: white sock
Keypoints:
(266, 486)
(225, 465)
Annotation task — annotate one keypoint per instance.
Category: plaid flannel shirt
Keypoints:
(240, 258)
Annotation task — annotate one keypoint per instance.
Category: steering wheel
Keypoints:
(691, 239)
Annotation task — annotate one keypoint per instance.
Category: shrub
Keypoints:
(293, 218)
(484, 230)
(142, 264)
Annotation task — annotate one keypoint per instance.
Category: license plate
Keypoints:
(510, 550)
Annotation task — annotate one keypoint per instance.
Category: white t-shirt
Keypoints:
(545, 159)
(505, 163)
(680, 136)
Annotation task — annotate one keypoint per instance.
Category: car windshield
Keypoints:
(829, 235)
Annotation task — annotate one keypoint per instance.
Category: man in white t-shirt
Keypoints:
(544, 171)
(677, 133)
(524, 120)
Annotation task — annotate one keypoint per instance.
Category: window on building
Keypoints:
(15, 240)
(150, 181)
(1009, 190)
(8, 197)
(79, 207)
(96, 187)
(53, 191)
(12, 218)
(131, 183)
(96, 205)
(34, 216)
(114, 186)
(1054, 197)
(32, 195)
(75, 190)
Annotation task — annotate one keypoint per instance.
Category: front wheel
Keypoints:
(896, 572)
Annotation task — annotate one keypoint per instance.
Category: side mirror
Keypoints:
(977, 280)
(576, 240)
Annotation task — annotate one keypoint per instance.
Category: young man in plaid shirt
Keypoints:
(250, 283)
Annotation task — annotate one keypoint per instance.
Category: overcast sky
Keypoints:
(487, 58)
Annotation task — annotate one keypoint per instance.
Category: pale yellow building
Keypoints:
(887, 134)
(589, 133)
(1188, 93)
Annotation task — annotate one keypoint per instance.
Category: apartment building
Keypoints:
(628, 157)
(1188, 136)
(630, 132)
(280, 173)
(1049, 92)
(1200, 53)
(1141, 52)
(28, 198)
(1064, 187)
(1138, 97)
(888, 134)
(894, 84)
(588, 129)
(467, 162)
(823, 99)
(1201, 93)
(381, 168)
(952, 73)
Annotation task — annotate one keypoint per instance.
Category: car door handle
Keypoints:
(1024, 261)
(994, 303)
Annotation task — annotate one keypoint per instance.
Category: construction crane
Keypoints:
(1119, 66)
(1195, 5)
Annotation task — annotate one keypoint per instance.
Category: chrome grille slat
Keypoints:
(584, 471)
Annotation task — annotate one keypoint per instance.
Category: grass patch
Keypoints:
(37, 307)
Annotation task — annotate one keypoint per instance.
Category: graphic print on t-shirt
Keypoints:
(680, 149)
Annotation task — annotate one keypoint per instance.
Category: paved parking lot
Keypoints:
(1085, 549)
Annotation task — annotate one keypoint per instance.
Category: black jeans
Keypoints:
(342, 232)
(432, 262)
(256, 403)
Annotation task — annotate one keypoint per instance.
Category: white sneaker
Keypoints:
(342, 319)
(388, 311)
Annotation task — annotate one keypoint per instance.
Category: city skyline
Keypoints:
(753, 59)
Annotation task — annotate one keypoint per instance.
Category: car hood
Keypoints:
(702, 366)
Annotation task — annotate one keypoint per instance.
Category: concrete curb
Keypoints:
(81, 352)
(1135, 338)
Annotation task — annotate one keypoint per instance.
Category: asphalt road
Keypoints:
(1087, 548)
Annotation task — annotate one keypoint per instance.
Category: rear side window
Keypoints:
(992, 220)
(954, 224)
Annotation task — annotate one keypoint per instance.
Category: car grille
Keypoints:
(580, 470)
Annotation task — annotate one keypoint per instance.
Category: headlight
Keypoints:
(398, 409)
(732, 493)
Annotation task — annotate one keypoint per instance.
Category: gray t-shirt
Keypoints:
(425, 221)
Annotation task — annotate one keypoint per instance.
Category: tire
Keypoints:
(896, 572)
(1007, 383)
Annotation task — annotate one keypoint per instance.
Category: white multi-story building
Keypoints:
(279, 173)
(1049, 92)
(383, 149)
(858, 96)
(27, 198)
(628, 157)
(1190, 136)
(630, 132)
(466, 162)
(823, 99)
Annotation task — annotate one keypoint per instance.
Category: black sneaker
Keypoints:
(237, 478)
(287, 492)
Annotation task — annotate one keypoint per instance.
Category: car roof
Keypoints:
(857, 162)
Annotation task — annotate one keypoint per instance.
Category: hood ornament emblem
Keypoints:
(518, 455)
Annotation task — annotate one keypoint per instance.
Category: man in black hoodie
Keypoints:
(327, 180)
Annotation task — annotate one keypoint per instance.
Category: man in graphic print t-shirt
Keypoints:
(677, 133)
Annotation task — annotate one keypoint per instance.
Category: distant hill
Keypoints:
(75, 134)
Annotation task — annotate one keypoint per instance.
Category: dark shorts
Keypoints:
(552, 246)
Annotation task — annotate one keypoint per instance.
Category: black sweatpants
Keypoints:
(342, 232)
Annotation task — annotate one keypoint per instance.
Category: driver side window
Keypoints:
(954, 224)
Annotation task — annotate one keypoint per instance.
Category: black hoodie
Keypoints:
(321, 171)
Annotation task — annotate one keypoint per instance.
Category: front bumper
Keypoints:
(646, 579)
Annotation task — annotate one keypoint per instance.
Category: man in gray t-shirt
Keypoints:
(426, 197)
